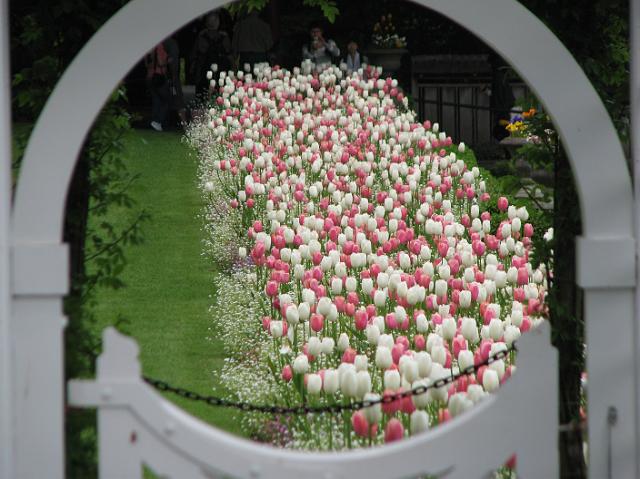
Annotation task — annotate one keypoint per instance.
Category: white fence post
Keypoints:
(634, 30)
(117, 436)
(6, 391)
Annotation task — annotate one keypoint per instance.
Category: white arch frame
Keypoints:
(39, 259)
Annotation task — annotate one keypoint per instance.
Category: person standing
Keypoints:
(319, 50)
(212, 47)
(156, 63)
(353, 57)
(175, 85)
(252, 40)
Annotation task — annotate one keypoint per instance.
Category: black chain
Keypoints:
(333, 408)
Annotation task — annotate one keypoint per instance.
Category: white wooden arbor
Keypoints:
(33, 281)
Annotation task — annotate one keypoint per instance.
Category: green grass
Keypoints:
(168, 281)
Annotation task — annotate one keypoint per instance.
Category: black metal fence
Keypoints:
(455, 91)
(462, 109)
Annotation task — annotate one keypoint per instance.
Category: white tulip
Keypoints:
(343, 342)
(361, 362)
(276, 328)
(441, 288)
(314, 346)
(490, 380)
(336, 286)
(516, 317)
(459, 403)
(422, 324)
(419, 422)
(367, 286)
(439, 354)
(314, 384)
(423, 359)
(465, 359)
(324, 306)
(384, 359)
(327, 345)
(380, 298)
(301, 364)
(475, 393)
(349, 383)
(420, 401)
(379, 321)
(363, 386)
(304, 311)
(331, 381)
(465, 298)
(293, 316)
(499, 367)
(496, 329)
(469, 330)
(373, 334)
(391, 379)
(438, 394)
(449, 328)
(511, 334)
(410, 371)
(373, 413)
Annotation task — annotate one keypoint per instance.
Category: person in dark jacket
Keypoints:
(175, 85)
(252, 40)
(212, 47)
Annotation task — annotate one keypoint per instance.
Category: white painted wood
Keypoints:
(581, 119)
(634, 30)
(118, 445)
(604, 262)
(610, 361)
(50, 263)
(520, 418)
(6, 410)
(38, 389)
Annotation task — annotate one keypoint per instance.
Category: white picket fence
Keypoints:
(137, 426)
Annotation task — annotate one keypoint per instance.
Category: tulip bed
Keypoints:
(361, 257)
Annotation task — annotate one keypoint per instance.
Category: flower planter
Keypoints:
(390, 59)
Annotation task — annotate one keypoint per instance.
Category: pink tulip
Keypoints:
(360, 424)
(271, 288)
(361, 319)
(394, 431)
(396, 352)
(316, 322)
(287, 373)
(523, 276)
(349, 355)
(459, 344)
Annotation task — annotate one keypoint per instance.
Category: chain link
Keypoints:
(333, 408)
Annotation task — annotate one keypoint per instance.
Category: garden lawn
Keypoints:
(168, 281)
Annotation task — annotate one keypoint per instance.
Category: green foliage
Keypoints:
(597, 35)
(329, 8)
